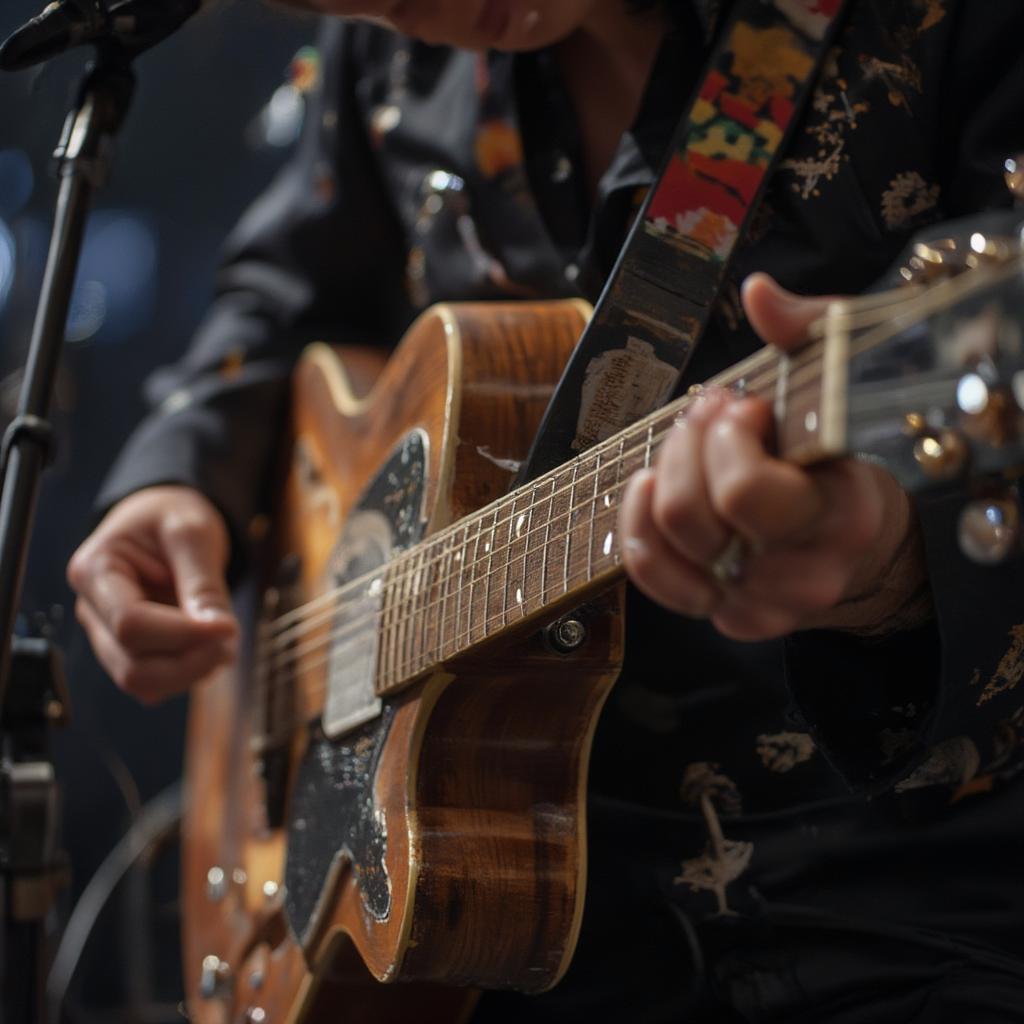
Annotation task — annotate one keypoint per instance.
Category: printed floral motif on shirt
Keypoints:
(840, 106)
(1009, 671)
(722, 861)
(834, 115)
(907, 198)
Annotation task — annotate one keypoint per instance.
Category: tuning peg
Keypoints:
(1015, 177)
(989, 529)
(942, 455)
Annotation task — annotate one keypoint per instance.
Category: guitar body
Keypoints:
(382, 871)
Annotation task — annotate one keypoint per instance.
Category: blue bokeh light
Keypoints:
(17, 181)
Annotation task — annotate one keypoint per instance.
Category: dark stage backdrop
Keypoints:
(212, 121)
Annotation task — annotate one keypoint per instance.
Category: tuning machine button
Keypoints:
(215, 979)
(942, 455)
(989, 529)
(1015, 177)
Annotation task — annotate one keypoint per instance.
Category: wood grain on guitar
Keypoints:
(393, 790)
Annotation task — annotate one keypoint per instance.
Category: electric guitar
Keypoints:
(386, 807)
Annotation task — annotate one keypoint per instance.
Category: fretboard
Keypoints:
(556, 539)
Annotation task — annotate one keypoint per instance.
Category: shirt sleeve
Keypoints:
(935, 712)
(320, 256)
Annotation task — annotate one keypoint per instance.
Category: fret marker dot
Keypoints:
(487, 546)
(520, 522)
(608, 543)
(607, 501)
(811, 422)
(519, 595)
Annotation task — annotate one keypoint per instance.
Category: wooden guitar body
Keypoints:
(382, 870)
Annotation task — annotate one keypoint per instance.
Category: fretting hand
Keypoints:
(720, 529)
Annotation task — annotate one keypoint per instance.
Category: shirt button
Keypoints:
(572, 272)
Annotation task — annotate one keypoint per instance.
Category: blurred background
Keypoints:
(217, 109)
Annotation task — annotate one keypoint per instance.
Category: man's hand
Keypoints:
(152, 596)
(834, 547)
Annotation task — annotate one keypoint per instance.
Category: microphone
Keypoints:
(129, 25)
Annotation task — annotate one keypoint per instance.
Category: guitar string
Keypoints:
(286, 654)
(878, 312)
(284, 621)
(413, 565)
(280, 626)
(407, 657)
(287, 675)
(392, 629)
(281, 657)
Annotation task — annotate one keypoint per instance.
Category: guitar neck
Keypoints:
(554, 541)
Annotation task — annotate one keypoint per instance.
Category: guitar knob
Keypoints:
(215, 978)
(989, 529)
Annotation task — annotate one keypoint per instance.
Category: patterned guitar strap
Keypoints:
(668, 277)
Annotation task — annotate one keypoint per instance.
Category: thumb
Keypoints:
(778, 316)
(197, 552)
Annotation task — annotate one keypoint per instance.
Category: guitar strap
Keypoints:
(668, 277)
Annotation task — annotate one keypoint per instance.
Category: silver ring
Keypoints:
(729, 567)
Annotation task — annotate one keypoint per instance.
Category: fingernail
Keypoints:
(209, 613)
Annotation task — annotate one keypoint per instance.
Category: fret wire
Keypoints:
(593, 513)
(472, 580)
(490, 567)
(508, 564)
(446, 579)
(417, 557)
(526, 546)
(460, 558)
(547, 537)
(386, 618)
(618, 485)
(403, 632)
(428, 609)
(423, 590)
(568, 536)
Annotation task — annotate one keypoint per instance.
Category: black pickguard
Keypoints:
(333, 815)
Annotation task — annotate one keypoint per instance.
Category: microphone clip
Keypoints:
(121, 29)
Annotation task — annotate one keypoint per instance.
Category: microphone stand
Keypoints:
(32, 695)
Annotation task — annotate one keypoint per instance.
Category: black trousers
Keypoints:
(847, 915)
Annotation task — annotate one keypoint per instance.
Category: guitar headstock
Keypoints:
(935, 370)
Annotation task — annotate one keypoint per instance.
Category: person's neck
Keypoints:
(606, 65)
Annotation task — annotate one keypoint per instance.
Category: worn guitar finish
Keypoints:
(394, 791)
(441, 839)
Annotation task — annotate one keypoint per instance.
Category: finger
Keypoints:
(766, 500)
(796, 580)
(197, 553)
(750, 623)
(653, 565)
(778, 316)
(681, 506)
(154, 677)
